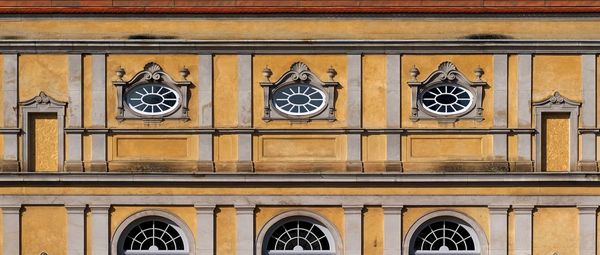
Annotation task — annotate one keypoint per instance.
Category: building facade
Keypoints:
(299, 127)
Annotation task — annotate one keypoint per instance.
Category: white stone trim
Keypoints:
(481, 236)
(498, 229)
(75, 229)
(244, 229)
(523, 229)
(205, 229)
(392, 229)
(244, 91)
(116, 238)
(587, 229)
(353, 229)
(524, 83)
(205, 91)
(10, 103)
(11, 226)
(262, 234)
(100, 229)
(354, 91)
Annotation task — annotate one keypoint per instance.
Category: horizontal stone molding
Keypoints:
(447, 178)
(407, 131)
(240, 201)
(341, 46)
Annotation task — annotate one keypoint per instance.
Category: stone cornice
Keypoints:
(341, 46)
(447, 179)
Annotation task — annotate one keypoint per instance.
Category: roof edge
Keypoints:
(298, 10)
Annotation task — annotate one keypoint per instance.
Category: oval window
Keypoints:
(299, 100)
(447, 99)
(152, 99)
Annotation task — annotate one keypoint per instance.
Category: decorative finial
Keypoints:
(267, 73)
(184, 72)
(414, 72)
(478, 73)
(331, 72)
(120, 73)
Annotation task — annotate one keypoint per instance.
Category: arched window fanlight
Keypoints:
(299, 236)
(154, 236)
(445, 236)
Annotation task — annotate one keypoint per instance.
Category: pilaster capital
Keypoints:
(11, 208)
(353, 209)
(99, 208)
(244, 209)
(523, 209)
(499, 209)
(205, 208)
(587, 209)
(75, 208)
(392, 209)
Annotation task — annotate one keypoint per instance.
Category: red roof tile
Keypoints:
(298, 6)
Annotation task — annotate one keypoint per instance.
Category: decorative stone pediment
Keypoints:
(153, 75)
(557, 100)
(447, 76)
(299, 77)
(42, 100)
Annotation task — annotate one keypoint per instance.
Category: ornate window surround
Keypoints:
(422, 222)
(43, 103)
(556, 103)
(299, 73)
(152, 74)
(447, 73)
(117, 241)
(269, 226)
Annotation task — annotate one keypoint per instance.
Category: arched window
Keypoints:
(153, 235)
(298, 236)
(445, 236)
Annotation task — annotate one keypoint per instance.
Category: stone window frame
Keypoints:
(557, 103)
(152, 73)
(42, 103)
(447, 73)
(447, 215)
(116, 240)
(269, 226)
(299, 73)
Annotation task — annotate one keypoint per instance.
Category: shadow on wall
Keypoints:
(486, 37)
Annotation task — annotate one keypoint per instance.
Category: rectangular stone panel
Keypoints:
(439, 148)
(299, 147)
(153, 148)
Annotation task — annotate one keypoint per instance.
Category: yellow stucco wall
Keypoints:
(374, 94)
(153, 147)
(300, 28)
(555, 141)
(373, 230)
(555, 230)
(318, 64)
(225, 84)
(225, 231)
(48, 73)
(44, 228)
(44, 136)
(556, 73)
